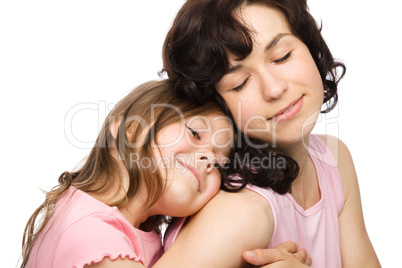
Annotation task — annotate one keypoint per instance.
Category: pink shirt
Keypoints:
(84, 230)
(315, 229)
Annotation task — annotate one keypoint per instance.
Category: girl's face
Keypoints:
(276, 93)
(189, 153)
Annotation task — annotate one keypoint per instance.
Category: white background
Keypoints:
(55, 55)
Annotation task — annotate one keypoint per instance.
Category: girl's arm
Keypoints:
(356, 248)
(228, 225)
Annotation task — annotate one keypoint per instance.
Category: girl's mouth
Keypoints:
(193, 171)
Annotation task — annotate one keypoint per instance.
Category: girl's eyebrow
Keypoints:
(192, 120)
(269, 46)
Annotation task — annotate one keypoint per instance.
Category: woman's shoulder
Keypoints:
(239, 211)
(338, 149)
(344, 161)
(245, 201)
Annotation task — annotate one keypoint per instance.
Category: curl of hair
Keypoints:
(196, 48)
(247, 166)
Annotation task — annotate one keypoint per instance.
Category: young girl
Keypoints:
(266, 62)
(155, 155)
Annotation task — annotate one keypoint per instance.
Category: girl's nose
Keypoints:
(207, 161)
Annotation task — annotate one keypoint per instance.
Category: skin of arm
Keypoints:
(356, 247)
(228, 225)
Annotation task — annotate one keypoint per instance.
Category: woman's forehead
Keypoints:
(262, 21)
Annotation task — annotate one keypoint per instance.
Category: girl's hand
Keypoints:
(284, 255)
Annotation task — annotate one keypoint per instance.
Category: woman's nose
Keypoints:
(272, 85)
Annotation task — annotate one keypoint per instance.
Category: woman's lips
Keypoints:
(193, 171)
(289, 112)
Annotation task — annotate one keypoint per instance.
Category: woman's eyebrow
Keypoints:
(275, 41)
(270, 45)
(234, 69)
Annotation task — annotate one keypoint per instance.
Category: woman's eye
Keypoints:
(194, 133)
(283, 59)
(238, 88)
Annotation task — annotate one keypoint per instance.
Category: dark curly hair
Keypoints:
(205, 31)
(195, 56)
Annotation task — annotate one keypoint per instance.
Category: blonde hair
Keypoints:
(155, 104)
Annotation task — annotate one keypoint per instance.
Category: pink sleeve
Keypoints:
(91, 239)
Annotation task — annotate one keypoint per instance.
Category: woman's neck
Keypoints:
(305, 188)
(298, 151)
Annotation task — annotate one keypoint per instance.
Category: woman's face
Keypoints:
(275, 94)
(188, 153)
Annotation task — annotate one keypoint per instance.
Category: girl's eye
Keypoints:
(195, 133)
(287, 56)
(239, 87)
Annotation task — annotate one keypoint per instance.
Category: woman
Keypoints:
(268, 65)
